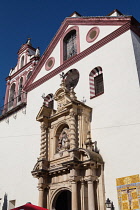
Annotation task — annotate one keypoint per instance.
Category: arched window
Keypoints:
(48, 100)
(22, 62)
(12, 95)
(96, 82)
(69, 45)
(20, 88)
(29, 74)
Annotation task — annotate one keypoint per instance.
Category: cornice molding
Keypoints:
(77, 57)
(22, 69)
(24, 47)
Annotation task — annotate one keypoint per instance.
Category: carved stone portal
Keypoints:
(69, 168)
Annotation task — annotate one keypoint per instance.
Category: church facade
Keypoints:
(70, 122)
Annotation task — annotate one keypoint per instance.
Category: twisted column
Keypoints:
(72, 131)
(43, 152)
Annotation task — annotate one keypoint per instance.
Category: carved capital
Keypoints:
(91, 178)
(41, 186)
(72, 114)
(43, 126)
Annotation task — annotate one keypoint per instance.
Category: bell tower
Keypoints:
(16, 97)
(69, 168)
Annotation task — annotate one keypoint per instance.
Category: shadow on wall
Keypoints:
(4, 207)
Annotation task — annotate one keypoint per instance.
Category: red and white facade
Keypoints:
(107, 46)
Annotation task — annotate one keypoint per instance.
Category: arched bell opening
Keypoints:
(62, 138)
(20, 89)
(62, 200)
(12, 96)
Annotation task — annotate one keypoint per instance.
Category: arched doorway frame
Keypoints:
(55, 196)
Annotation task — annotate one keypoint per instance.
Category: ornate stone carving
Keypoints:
(63, 140)
(72, 130)
(43, 140)
(67, 155)
(89, 144)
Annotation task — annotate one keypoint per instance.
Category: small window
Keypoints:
(50, 63)
(96, 82)
(92, 34)
(69, 45)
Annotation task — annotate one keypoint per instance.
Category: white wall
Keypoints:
(115, 123)
(116, 115)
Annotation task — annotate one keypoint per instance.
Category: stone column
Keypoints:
(43, 149)
(72, 130)
(41, 195)
(82, 195)
(91, 200)
(101, 190)
(74, 195)
(41, 192)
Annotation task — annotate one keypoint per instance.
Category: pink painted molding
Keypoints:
(77, 21)
(76, 58)
(88, 38)
(47, 67)
(20, 70)
(24, 47)
(77, 42)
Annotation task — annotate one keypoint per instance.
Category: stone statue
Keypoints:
(63, 141)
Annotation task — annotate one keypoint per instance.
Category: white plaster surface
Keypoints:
(115, 122)
(55, 53)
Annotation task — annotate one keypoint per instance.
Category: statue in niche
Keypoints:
(63, 141)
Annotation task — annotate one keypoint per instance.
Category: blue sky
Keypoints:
(40, 20)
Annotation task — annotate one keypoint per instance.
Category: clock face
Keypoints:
(72, 78)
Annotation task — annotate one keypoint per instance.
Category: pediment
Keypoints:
(63, 96)
(107, 25)
(60, 93)
(44, 113)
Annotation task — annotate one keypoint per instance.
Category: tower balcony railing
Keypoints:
(13, 105)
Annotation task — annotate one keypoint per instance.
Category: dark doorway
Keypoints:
(63, 201)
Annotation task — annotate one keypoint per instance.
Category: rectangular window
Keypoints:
(98, 83)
